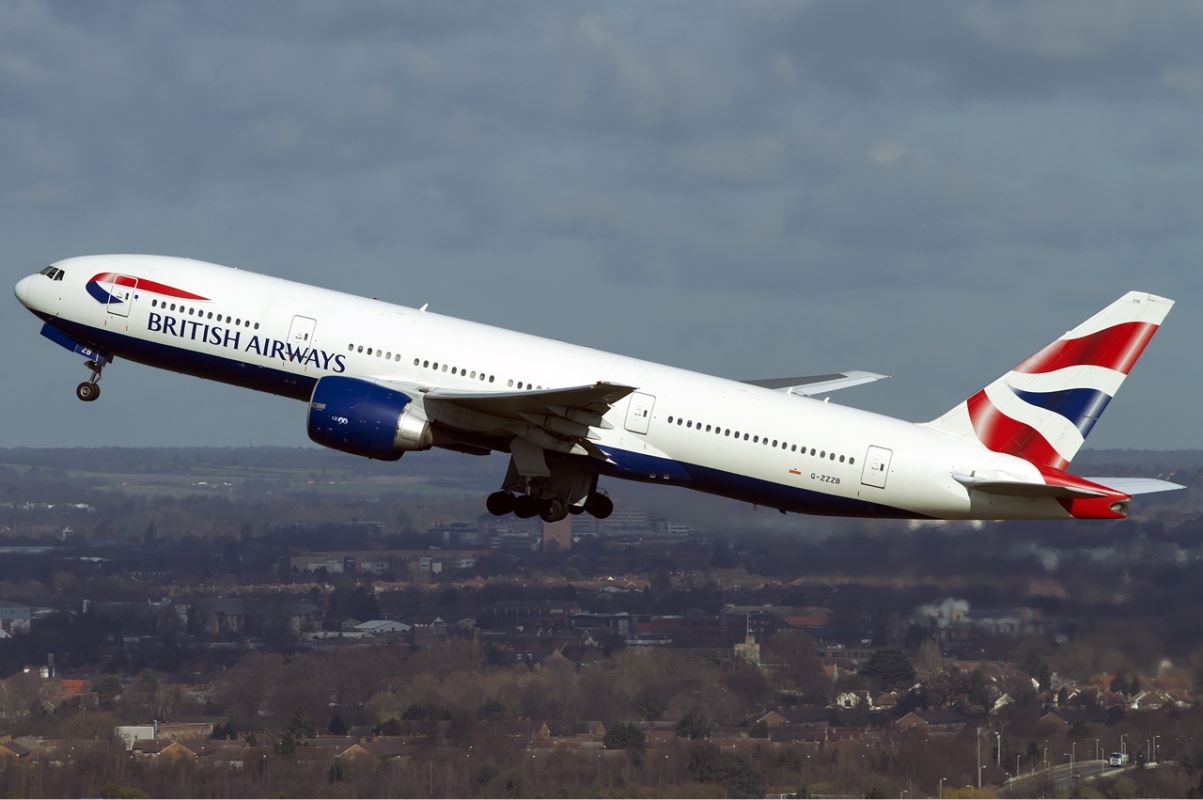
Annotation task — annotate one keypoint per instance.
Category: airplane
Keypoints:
(381, 380)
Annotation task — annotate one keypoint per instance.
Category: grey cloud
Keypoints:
(749, 188)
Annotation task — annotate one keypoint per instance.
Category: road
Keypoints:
(1062, 777)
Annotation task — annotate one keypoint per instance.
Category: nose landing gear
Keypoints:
(89, 390)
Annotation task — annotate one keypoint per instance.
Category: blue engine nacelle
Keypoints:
(366, 419)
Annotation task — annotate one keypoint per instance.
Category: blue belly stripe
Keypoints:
(189, 362)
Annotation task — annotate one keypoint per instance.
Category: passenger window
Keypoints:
(707, 429)
(361, 348)
(841, 459)
(756, 439)
(670, 420)
(851, 460)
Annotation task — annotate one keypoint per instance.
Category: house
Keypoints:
(1150, 700)
(381, 627)
(853, 700)
(11, 752)
(1064, 718)
(811, 717)
(930, 720)
(184, 731)
(159, 749)
(228, 755)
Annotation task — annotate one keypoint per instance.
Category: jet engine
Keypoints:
(366, 419)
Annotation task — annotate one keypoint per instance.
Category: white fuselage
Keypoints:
(708, 433)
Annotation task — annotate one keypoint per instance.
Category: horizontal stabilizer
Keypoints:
(808, 385)
(1138, 485)
(1017, 488)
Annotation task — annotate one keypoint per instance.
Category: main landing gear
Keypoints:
(524, 506)
(89, 390)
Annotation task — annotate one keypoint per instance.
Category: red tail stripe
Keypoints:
(1002, 434)
(1115, 348)
(146, 285)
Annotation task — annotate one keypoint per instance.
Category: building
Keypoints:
(15, 617)
(557, 536)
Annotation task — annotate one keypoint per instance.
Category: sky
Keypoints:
(930, 190)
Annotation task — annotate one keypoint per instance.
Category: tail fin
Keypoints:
(1043, 409)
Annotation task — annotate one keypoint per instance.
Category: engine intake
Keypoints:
(366, 419)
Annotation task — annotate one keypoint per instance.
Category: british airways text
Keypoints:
(198, 331)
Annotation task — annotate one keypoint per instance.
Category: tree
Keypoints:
(625, 736)
(709, 764)
(107, 690)
(337, 727)
(390, 727)
(302, 726)
(694, 725)
(891, 668)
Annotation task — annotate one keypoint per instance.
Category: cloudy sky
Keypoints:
(929, 190)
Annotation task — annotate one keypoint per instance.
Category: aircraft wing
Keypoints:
(808, 385)
(546, 419)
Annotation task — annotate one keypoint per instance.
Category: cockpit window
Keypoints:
(53, 273)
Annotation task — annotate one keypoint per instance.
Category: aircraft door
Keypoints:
(639, 412)
(300, 339)
(121, 295)
(877, 466)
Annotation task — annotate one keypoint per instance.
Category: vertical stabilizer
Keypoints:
(1045, 407)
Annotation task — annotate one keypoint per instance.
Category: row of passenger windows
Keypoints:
(758, 439)
(193, 311)
(425, 363)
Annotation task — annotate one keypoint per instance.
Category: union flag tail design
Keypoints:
(1044, 408)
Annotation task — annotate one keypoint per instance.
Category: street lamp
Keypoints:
(1123, 748)
(1155, 738)
(998, 743)
(940, 789)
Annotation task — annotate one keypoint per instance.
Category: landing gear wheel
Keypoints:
(87, 391)
(553, 510)
(574, 510)
(500, 503)
(525, 506)
(599, 505)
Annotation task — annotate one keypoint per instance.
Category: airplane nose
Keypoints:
(21, 290)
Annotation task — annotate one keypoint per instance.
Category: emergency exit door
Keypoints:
(877, 467)
(300, 339)
(639, 412)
